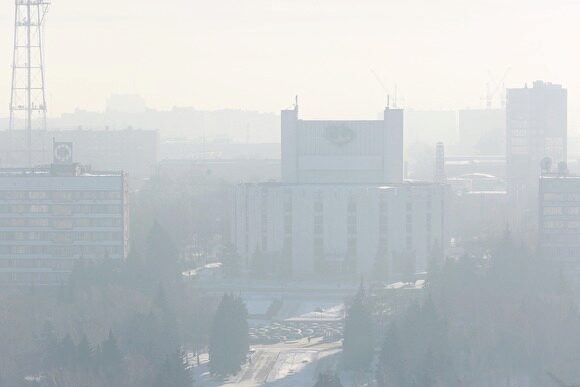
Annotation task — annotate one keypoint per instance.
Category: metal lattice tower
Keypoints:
(27, 100)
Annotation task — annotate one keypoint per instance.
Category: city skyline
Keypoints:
(286, 48)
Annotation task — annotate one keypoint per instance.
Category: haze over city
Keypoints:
(256, 55)
(289, 193)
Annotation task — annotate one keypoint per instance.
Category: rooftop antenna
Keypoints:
(296, 103)
(27, 91)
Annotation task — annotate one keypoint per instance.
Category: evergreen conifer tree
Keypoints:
(66, 352)
(229, 336)
(161, 252)
(358, 345)
(168, 319)
(173, 373)
(49, 346)
(84, 353)
(391, 367)
(110, 360)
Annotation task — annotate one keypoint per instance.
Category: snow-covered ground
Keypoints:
(284, 365)
(296, 332)
(326, 312)
(305, 340)
(295, 307)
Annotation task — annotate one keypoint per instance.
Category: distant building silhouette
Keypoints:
(559, 225)
(134, 151)
(536, 129)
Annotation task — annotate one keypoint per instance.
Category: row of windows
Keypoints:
(61, 223)
(61, 237)
(562, 224)
(351, 225)
(36, 278)
(62, 251)
(318, 247)
(561, 211)
(561, 197)
(318, 227)
(288, 244)
(264, 223)
(351, 247)
(59, 209)
(561, 238)
(60, 195)
(561, 252)
(351, 207)
(409, 226)
(383, 224)
(288, 224)
(54, 264)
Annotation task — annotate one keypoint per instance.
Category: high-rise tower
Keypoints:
(27, 100)
(440, 176)
(536, 129)
(536, 136)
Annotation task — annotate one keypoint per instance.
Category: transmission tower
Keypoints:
(27, 100)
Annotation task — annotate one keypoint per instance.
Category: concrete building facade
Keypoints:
(368, 152)
(536, 130)
(330, 229)
(559, 214)
(342, 208)
(52, 216)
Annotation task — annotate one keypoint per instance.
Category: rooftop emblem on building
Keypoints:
(62, 152)
(339, 135)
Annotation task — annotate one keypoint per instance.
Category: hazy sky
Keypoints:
(257, 54)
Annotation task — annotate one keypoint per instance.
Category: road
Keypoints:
(281, 365)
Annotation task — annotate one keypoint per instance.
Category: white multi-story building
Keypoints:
(342, 208)
(559, 226)
(334, 229)
(51, 216)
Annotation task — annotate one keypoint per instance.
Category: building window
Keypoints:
(351, 247)
(352, 227)
(318, 224)
(351, 207)
(318, 247)
(318, 206)
(38, 195)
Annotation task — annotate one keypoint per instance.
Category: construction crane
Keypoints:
(497, 86)
(382, 84)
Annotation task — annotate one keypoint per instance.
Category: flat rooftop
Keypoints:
(47, 171)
